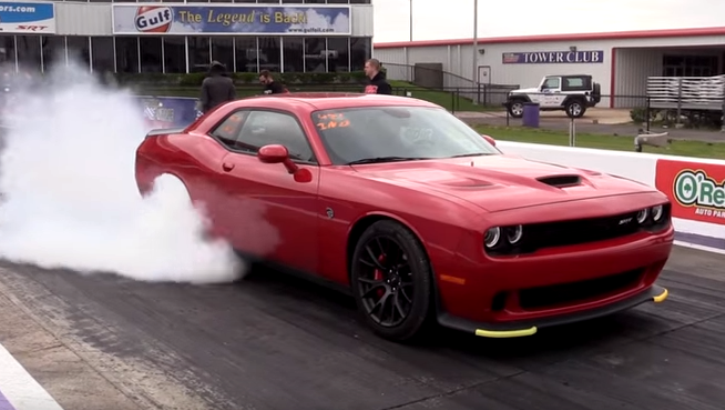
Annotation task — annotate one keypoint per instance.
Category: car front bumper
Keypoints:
(525, 328)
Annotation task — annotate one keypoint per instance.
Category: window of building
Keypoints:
(174, 54)
(79, 51)
(316, 55)
(360, 2)
(338, 2)
(28, 50)
(338, 54)
(690, 65)
(269, 54)
(7, 51)
(245, 54)
(293, 49)
(360, 51)
(199, 54)
(53, 49)
(315, 1)
(126, 55)
(102, 54)
(150, 49)
(245, 1)
(222, 50)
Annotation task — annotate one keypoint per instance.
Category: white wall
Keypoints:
(636, 166)
(636, 59)
(94, 19)
(459, 60)
(632, 67)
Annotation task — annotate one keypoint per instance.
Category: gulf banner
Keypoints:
(696, 189)
(155, 19)
(27, 17)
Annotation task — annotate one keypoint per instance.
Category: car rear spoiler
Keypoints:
(164, 131)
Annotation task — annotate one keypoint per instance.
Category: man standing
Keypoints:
(216, 89)
(377, 83)
(270, 86)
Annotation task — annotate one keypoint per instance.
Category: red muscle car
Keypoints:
(420, 218)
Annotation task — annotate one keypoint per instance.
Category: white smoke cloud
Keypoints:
(70, 198)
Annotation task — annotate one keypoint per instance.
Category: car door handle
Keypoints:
(227, 166)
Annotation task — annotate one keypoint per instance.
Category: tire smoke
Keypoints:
(69, 196)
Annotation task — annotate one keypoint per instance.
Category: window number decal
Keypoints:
(332, 120)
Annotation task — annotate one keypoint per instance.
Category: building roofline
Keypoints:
(617, 35)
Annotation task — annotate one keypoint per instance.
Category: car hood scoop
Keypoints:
(561, 181)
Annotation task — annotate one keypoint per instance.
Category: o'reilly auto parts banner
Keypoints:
(27, 17)
(696, 189)
(156, 19)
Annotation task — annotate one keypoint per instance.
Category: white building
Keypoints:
(621, 62)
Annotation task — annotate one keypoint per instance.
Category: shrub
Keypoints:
(195, 79)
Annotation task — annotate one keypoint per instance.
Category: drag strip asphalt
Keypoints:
(274, 342)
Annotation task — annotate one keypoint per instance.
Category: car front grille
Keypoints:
(574, 292)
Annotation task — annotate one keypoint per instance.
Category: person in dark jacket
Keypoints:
(377, 84)
(217, 88)
(270, 86)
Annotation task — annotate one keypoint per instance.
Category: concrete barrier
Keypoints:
(695, 186)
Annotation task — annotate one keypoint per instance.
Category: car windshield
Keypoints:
(381, 134)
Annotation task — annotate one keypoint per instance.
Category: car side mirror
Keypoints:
(489, 139)
(276, 154)
(273, 154)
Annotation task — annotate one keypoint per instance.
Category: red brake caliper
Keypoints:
(379, 276)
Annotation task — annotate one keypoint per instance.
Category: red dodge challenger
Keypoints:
(420, 218)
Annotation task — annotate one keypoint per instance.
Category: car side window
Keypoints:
(269, 127)
(551, 84)
(228, 130)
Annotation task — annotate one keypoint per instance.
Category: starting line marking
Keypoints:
(699, 247)
(19, 390)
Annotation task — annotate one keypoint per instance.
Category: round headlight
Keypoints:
(514, 234)
(492, 237)
(642, 216)
(657, 212)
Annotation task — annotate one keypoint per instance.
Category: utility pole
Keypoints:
(475, 41)
(410, 13)
(474, 72)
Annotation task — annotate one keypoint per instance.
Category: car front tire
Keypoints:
(391, 280)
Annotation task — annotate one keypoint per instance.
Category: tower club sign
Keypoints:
(697, 190)
(554, 57)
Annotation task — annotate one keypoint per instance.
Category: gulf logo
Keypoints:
(153, 19)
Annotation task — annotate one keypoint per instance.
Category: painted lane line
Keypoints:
(19, 389)
(703, 241)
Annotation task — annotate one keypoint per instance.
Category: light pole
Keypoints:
(410, 13)
(475, 43)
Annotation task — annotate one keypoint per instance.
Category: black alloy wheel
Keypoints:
(391, 281)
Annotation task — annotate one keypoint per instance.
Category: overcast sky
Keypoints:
(449, 19)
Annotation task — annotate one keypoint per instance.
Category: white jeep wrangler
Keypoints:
(570, 93)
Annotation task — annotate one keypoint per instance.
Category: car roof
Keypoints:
(569, 75)
(313, 101)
